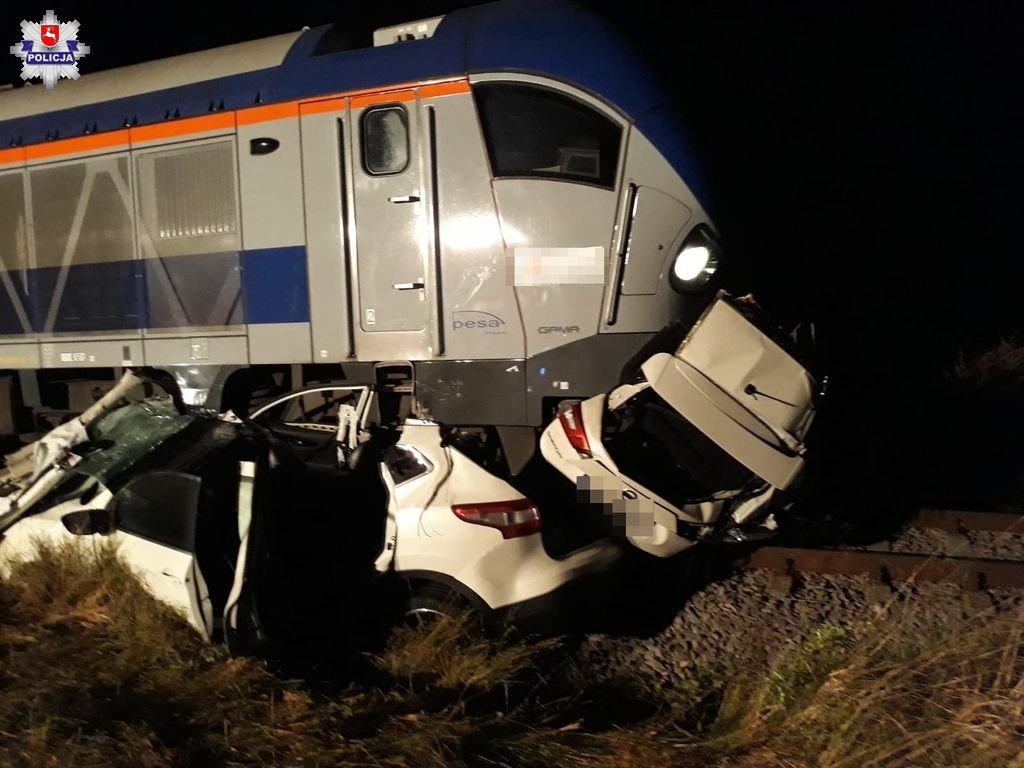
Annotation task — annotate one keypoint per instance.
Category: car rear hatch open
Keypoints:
(741, 389)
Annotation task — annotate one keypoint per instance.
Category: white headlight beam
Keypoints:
(691, 262)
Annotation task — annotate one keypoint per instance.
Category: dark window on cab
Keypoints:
(385, 140)
(537, 132)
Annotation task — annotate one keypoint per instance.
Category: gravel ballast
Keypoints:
(999, 545)
(739, 624)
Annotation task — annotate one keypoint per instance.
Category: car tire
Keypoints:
(429, 601)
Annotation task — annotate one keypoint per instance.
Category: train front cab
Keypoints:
(510, 236)
(506, 235)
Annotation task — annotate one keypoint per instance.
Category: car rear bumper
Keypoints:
(569, 609)
(573, 605)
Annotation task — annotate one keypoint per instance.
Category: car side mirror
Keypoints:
(87, 522)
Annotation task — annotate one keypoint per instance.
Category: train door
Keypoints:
(326, 179)
(389, 208)
(371, 227)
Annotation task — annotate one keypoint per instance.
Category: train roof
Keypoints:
(551, 37)
(162, 75)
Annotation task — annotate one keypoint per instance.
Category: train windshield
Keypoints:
(537, 132)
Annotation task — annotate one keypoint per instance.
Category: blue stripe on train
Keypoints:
(267, 285)
(10, 325)
(197, 290)
(560, 39)
(275, 285)
(96, 297)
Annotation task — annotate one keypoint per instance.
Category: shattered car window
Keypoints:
(128, 434)
(134, 430)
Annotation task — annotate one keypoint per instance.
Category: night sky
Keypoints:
(865, 165)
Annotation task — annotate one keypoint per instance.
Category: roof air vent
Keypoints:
(410, 30)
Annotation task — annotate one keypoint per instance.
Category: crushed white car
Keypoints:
(270, 531)
(700, 444)
(322, 513)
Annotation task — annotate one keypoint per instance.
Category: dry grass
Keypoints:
(439, 653)
(899, 698)
(94, 673)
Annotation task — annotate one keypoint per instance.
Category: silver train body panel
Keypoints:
(388, 223)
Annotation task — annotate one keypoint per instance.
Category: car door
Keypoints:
(151, 522)
(254, 618)
(155, 517)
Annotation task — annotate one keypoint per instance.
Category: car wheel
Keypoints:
(428, 601)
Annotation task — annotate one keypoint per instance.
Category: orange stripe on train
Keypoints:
(15, 155)
(444, 89)
(268, 112)
(223, 121)
(361, 99)
(324, 105)
(219, 121)
(91, 143)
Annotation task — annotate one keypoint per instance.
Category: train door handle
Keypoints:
(410, 286)
(398, 199)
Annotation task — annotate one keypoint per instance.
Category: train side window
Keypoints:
(13, 228)
(188, 198)
(190, 235)
(80, 204)
(538, 132)
(385, 140)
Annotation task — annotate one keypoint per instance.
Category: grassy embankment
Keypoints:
(95, 673)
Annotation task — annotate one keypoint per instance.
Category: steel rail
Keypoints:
(971, 573)
(964, 521)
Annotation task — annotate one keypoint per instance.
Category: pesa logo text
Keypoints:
(475, 319)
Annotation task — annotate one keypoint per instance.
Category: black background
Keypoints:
(864, 161)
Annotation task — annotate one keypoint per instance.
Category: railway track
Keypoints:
(972, 573)
(964, 521)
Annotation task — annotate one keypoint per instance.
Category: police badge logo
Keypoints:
(49, 50)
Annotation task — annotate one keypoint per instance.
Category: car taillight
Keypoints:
(572, 423)
(515, 518)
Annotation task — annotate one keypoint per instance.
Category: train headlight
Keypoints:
(695, 265)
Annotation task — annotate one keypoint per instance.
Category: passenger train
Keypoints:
(494, 208)
(487, 227)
